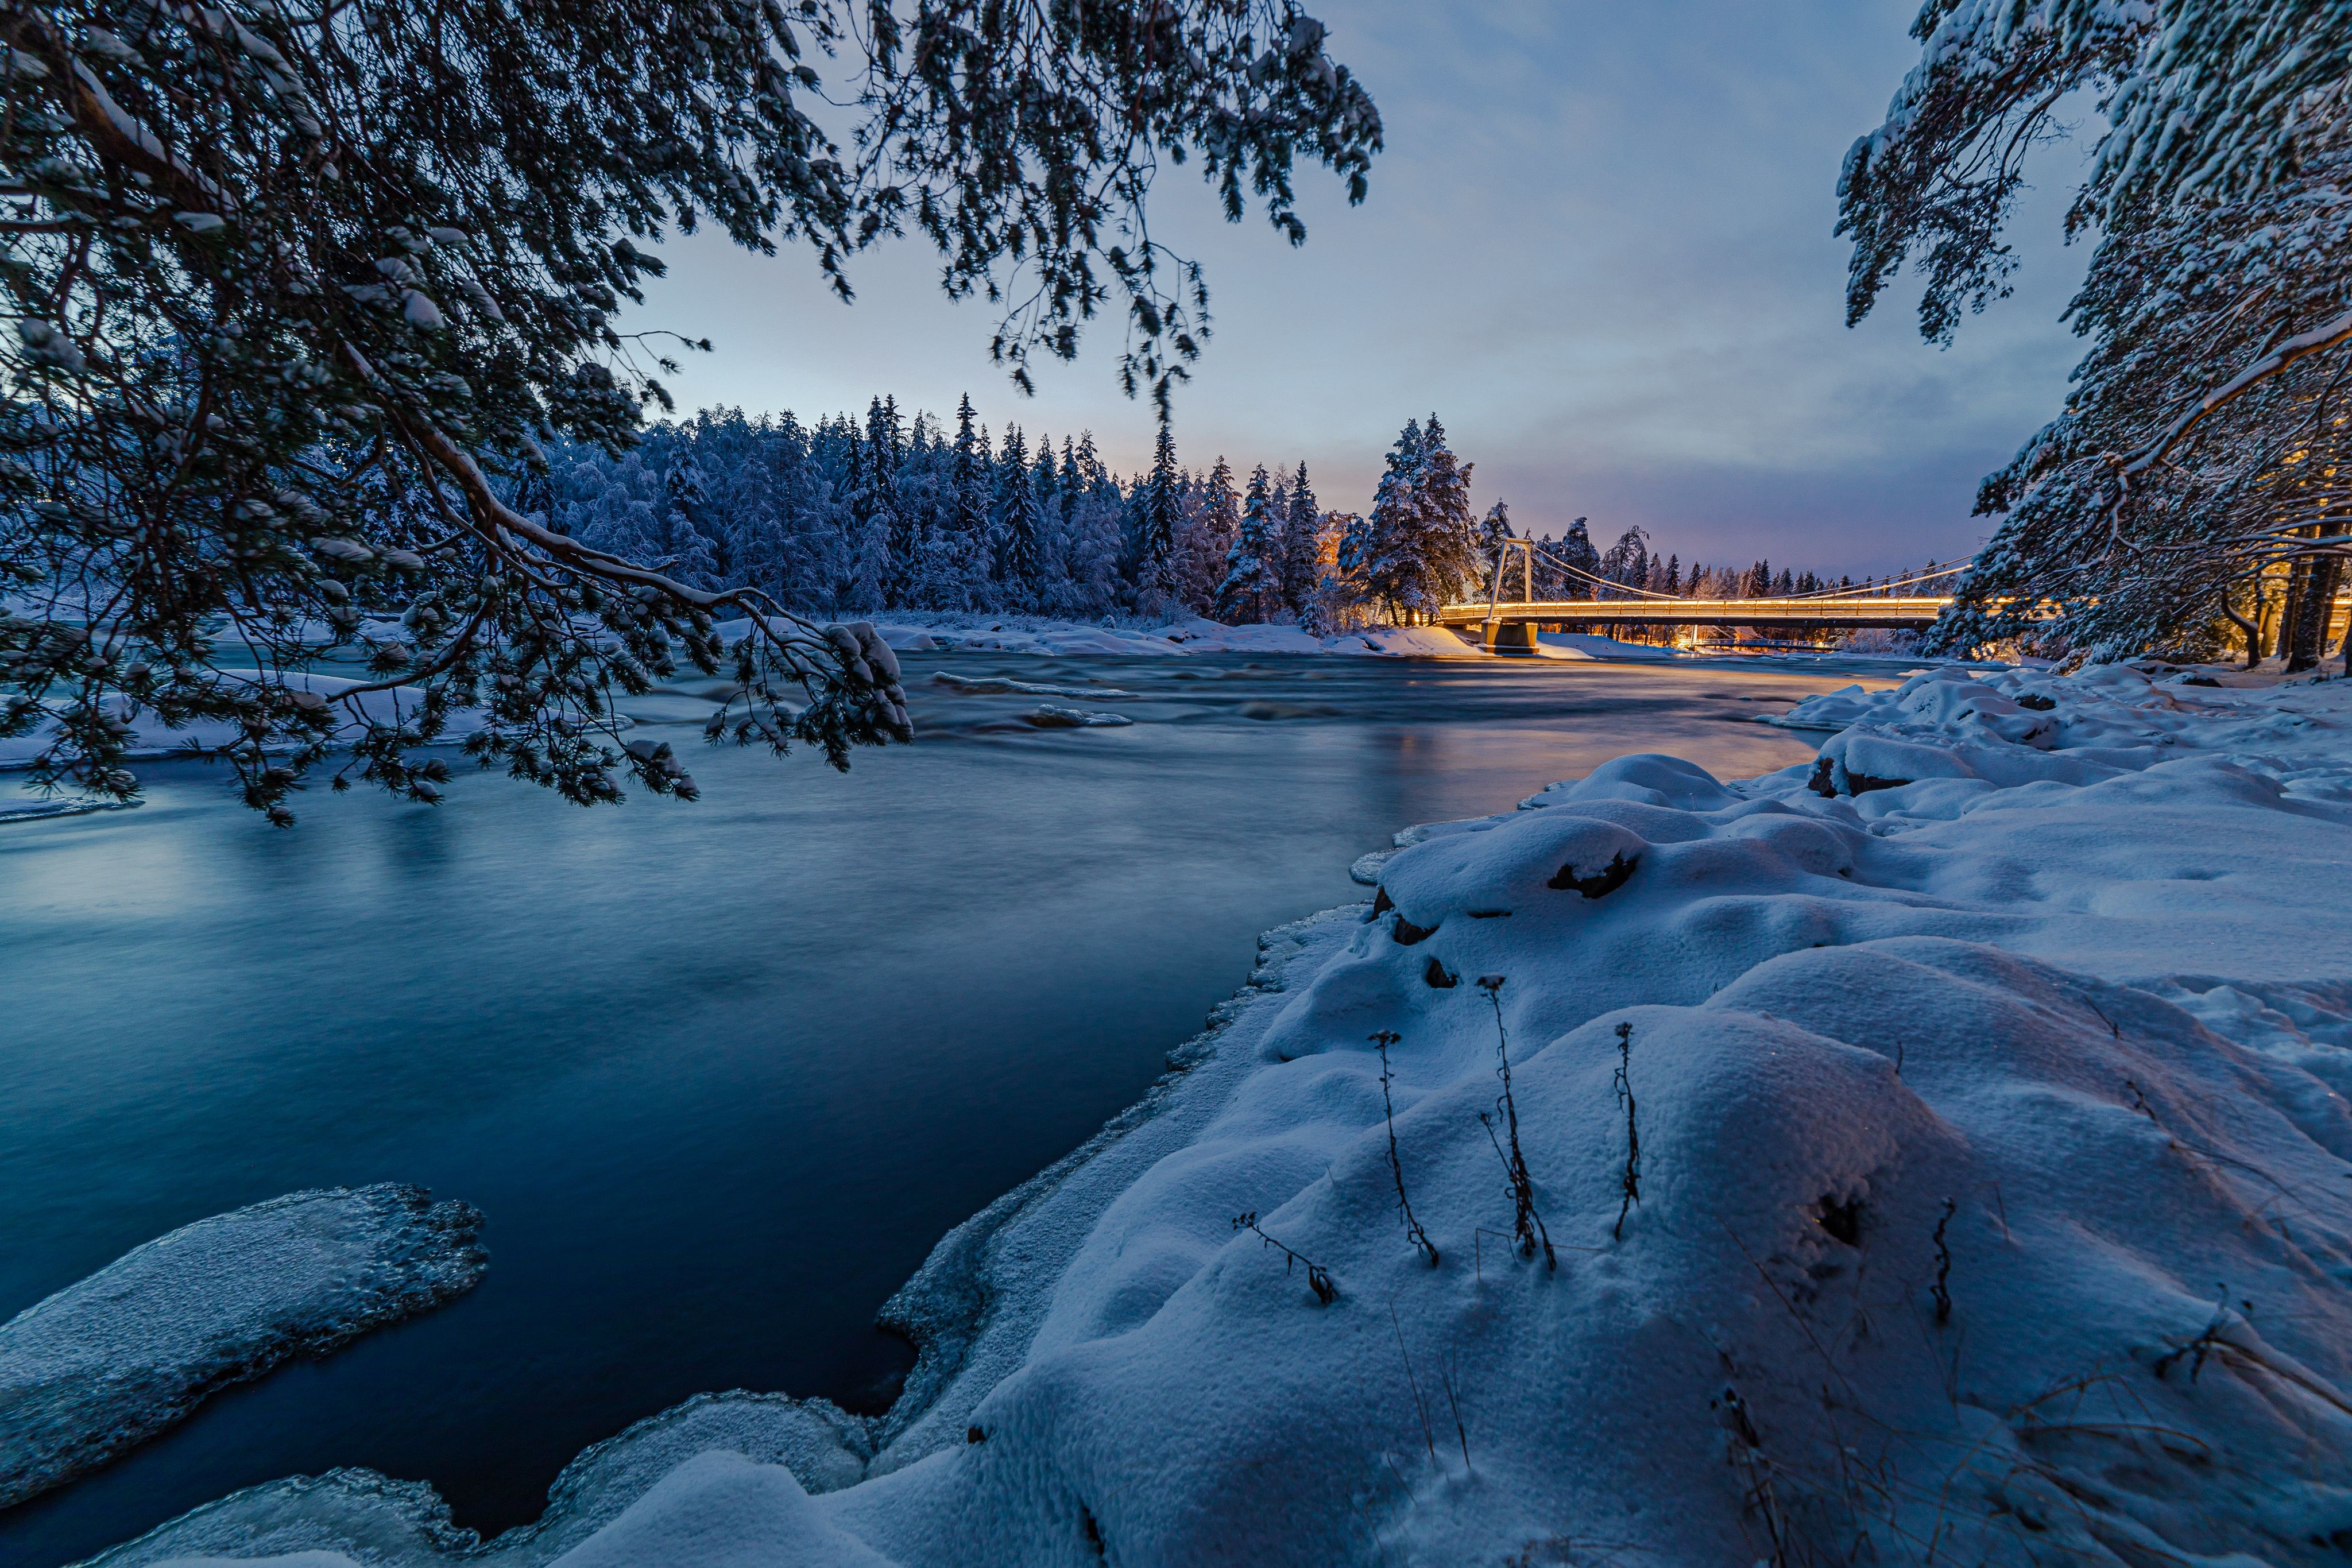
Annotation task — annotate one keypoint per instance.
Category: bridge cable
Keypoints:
(1655, 596)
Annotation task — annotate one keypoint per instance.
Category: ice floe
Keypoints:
(111, 1361)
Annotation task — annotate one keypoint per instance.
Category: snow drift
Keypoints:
(107, 1362)
(1936, 1152)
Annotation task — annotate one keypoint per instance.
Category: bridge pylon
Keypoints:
(1510, 639)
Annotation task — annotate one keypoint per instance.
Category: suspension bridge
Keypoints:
(1508, 625)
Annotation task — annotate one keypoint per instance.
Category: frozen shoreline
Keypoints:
(1969, 1059)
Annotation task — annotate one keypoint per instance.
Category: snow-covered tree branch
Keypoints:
(2184, 495)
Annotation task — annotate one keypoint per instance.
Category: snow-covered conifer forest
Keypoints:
(893, 511)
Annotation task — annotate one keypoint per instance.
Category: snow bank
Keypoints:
(1993, 1196)
(381, 707)
(111, 1361)
(1584, 645)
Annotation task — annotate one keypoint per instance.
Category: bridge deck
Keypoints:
(1859, 610)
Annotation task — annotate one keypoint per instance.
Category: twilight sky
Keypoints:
(1598, 246)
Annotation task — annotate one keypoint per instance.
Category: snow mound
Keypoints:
(386, 706)
(1807, 1172)
(107, 1362)
(354, 1515)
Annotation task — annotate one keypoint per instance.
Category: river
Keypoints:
(719, 1074)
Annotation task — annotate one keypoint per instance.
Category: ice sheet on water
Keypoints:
(111, 1361)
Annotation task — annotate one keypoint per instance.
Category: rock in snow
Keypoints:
(1047, 717)
(111, 1361)
(1953, 1169)
(1000, 685)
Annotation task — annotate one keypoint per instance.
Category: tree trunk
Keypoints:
(2318, 603)
(2252, 630)
(2295, 571)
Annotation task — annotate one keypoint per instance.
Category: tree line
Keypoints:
(858, 515)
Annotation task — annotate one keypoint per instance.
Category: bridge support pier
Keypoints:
(1511, 639)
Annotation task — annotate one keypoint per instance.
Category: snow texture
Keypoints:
(109, 1362)
(1991, 1201)
(381, 707)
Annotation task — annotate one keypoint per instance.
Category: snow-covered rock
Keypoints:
(1046, 715)
(1993, 1196)
(111, 1361)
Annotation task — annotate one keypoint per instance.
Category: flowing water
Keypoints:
(719, 1074)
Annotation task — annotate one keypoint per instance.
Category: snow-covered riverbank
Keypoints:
(1991, 1201)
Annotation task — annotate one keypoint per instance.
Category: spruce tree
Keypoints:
(1157, 503)
(1494, 532)
(1021, 526)
(1251, 587)
(1449, 541)
(968, 514)
(1576, 551)
(1208, 542)
(1300, 558)
(1383, 555)
(682, 547)
(901, 539)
